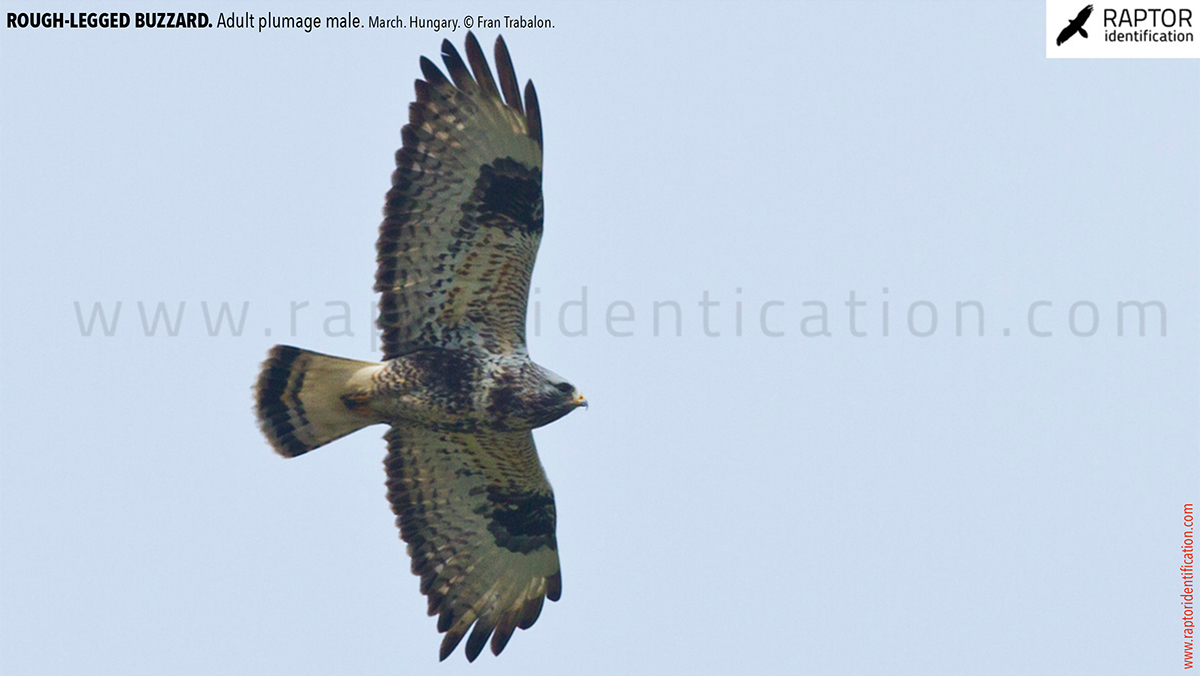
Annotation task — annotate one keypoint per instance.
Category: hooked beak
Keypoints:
(580, 400)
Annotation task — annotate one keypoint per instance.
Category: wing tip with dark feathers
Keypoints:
(533, 113)
(450, 642)
(531, 612)
(433, 74)
(504, 630)
(499, 627)
(457, 69)
(480, 67)
(479, 636)
(508, 76)
(478, 77)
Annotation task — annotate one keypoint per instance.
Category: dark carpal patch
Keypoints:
(521, 521)
(508, 195)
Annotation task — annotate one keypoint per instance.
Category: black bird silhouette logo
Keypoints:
(1076, 25)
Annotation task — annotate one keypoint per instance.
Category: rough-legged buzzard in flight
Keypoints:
(456, 249)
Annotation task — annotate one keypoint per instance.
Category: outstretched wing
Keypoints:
(478, 516)
(1083, 15)
(463, 219)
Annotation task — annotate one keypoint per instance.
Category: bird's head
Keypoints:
(557, 397)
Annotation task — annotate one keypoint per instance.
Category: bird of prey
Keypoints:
(461, 228)
(1076, 25)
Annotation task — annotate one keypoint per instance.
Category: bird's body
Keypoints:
(462, 225)
(466, 392)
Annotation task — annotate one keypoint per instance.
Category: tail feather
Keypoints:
(305, 399)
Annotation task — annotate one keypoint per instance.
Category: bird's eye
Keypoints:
(565, 388)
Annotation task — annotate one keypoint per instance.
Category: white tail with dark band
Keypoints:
(305, 399)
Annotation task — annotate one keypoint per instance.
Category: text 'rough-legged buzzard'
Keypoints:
(456, 250)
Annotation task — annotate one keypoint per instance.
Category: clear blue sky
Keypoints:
(899, 504)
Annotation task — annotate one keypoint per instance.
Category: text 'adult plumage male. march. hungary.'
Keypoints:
(462, 225)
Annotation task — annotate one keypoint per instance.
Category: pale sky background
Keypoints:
(830, 505)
